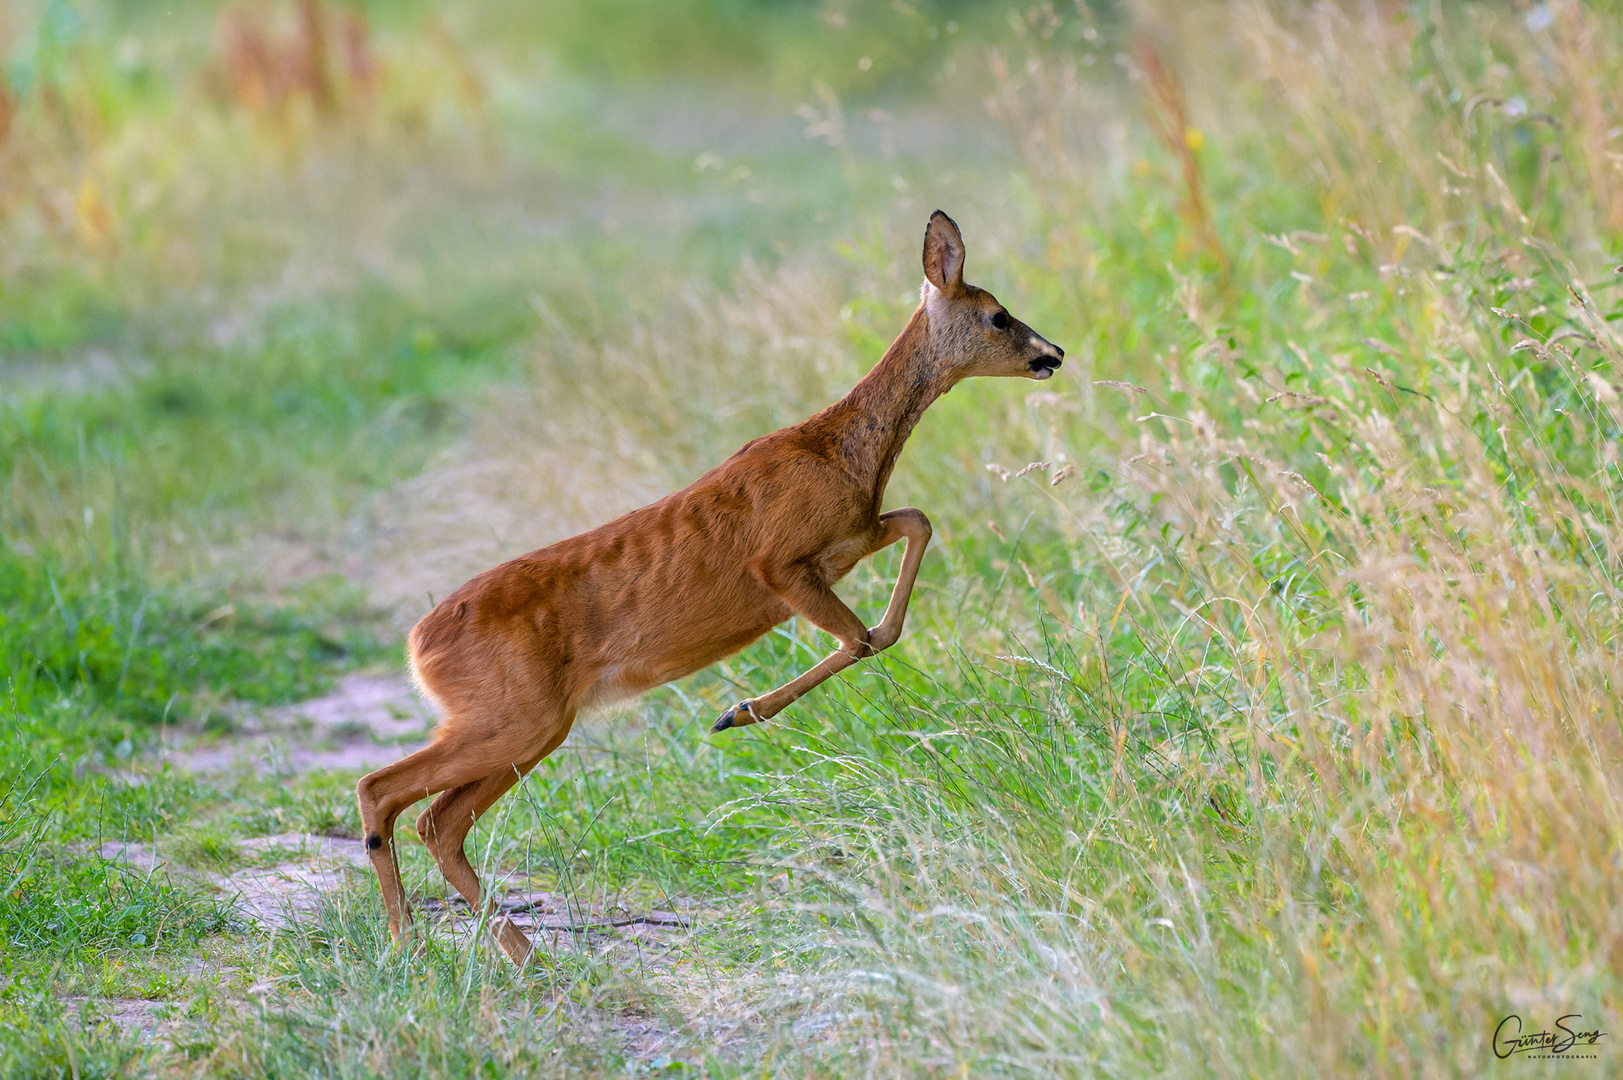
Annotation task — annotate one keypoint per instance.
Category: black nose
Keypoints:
(1058, 351)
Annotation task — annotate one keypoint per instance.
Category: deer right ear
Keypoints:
(944, 254)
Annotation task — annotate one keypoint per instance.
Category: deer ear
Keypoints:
(944, 254)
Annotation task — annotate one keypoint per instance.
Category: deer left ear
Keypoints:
(944, 254)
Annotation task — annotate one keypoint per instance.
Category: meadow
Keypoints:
(1257, 712)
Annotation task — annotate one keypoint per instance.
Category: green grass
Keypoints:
(51, 1040)
(1269, 729)
(120, 645)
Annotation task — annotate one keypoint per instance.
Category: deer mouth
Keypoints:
(1044, 368)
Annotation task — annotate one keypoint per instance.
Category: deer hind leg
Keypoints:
(444, 828)
(453, 760)
(908, 524)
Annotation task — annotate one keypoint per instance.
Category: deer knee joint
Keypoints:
(861, 650)
(910, 523)
(881, 638)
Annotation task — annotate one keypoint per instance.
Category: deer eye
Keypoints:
(1000, 321)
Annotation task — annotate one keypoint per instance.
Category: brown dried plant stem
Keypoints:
(1169, 120)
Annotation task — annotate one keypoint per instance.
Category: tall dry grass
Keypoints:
(1375, 583)
(1282, 735)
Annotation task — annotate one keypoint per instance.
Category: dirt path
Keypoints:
(367, 722)
(285, 882)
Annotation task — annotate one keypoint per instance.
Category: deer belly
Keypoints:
(660, 641)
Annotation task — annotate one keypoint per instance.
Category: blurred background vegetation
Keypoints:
(1258, 712)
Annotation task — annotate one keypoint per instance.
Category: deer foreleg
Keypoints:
(908, 524)
(914, 527)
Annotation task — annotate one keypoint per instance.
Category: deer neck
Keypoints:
(880, 412)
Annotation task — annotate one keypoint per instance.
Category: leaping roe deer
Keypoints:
(678, 585)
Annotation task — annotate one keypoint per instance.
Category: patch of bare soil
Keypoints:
(286, 877)
(289, 875)
(364, 724)
(290, 890)
(556, 923)
(134, 1016)
(368, 722)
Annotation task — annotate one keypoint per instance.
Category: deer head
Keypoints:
(970, 332)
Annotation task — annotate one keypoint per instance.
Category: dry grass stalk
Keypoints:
(1169, 121)
(266, 71)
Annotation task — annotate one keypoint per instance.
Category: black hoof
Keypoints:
(731, 714)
